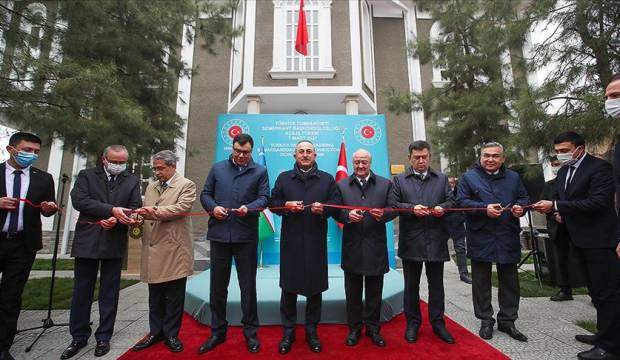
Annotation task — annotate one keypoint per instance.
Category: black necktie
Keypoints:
(363, 183)
(112, 178)
(569, 176)
(164, 185)
(17, 189)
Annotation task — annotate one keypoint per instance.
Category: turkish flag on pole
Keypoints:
(341, 171)
(301, 42)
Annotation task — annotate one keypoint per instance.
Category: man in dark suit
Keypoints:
(104, 195)
(20, 238)
(364, 246)
(565, 271)
(303, 241)
(235, 183)
(612, 106)
(585, 201)
(423, 238)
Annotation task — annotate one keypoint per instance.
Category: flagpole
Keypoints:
(260, 242)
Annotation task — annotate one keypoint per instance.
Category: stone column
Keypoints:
(351, 103)
(253, 104)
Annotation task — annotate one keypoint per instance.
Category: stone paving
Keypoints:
(550, 326)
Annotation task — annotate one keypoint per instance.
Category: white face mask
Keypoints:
(567, 158)
(612, 106)
(115, 169)
(554, 170)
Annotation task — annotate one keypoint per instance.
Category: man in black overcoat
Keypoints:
(104, 195)
(364, 246)
(303, 241)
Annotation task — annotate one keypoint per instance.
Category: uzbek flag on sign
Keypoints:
(266, 228)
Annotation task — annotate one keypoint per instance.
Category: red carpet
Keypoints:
(428, 346)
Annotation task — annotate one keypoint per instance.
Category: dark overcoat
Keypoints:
(303, 238)
(94, 197)
(364, 244)
(423, 238)
(492, 239)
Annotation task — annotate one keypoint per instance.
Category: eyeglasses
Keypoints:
(242, 152)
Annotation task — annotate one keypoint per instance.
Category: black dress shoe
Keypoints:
(596, 353)
(561, 296)
(353, 338)
(313, 342)
(512, 331)
(174, 344)
(486, 332)
(466, 278)
(72, 349)
(376, 338)
(443, 334)
(102, 348)
(253, 344)
(211, 343)
(411, 334)
(6, 355)
(586, 339)
(147, 341)
(286, 344)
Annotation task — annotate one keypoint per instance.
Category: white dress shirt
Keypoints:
(25, 182)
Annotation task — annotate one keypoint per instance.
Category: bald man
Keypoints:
(364, 246)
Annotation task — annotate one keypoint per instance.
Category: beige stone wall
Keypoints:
(391, 70)
(208, 98)
(263, 47)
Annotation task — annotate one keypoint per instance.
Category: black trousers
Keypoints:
(245, 255)
(561, 244)
(508, 296)
(288, 312)
(15, 263)
(412, 270)
(166, 302)
(456, 228)
(369, 312)
(85, 277)
(603, 277)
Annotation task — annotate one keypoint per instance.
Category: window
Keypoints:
(32, 46)
(287, 63)
(367, 47)
(294, 60)
(435, 37)
(237, 47)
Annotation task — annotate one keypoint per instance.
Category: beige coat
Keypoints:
(167, 245)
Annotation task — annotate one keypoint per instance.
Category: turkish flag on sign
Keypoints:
(301, 42)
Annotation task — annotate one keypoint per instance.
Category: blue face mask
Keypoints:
(25, 159)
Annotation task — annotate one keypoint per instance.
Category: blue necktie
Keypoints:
(17, 189)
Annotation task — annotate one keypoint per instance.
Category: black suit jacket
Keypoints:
(94, 198)
(41, 189)
(587, 205)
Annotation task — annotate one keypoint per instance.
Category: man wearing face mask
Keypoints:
(565, 271)
(20, 238)
(303, 241)
(585, 201)
(105, 196)
(612, 106)
(493, 237)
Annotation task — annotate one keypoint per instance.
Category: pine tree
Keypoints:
(112, 78)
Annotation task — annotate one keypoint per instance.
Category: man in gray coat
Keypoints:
(104, 195)
(364, 246)
(423, 238)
